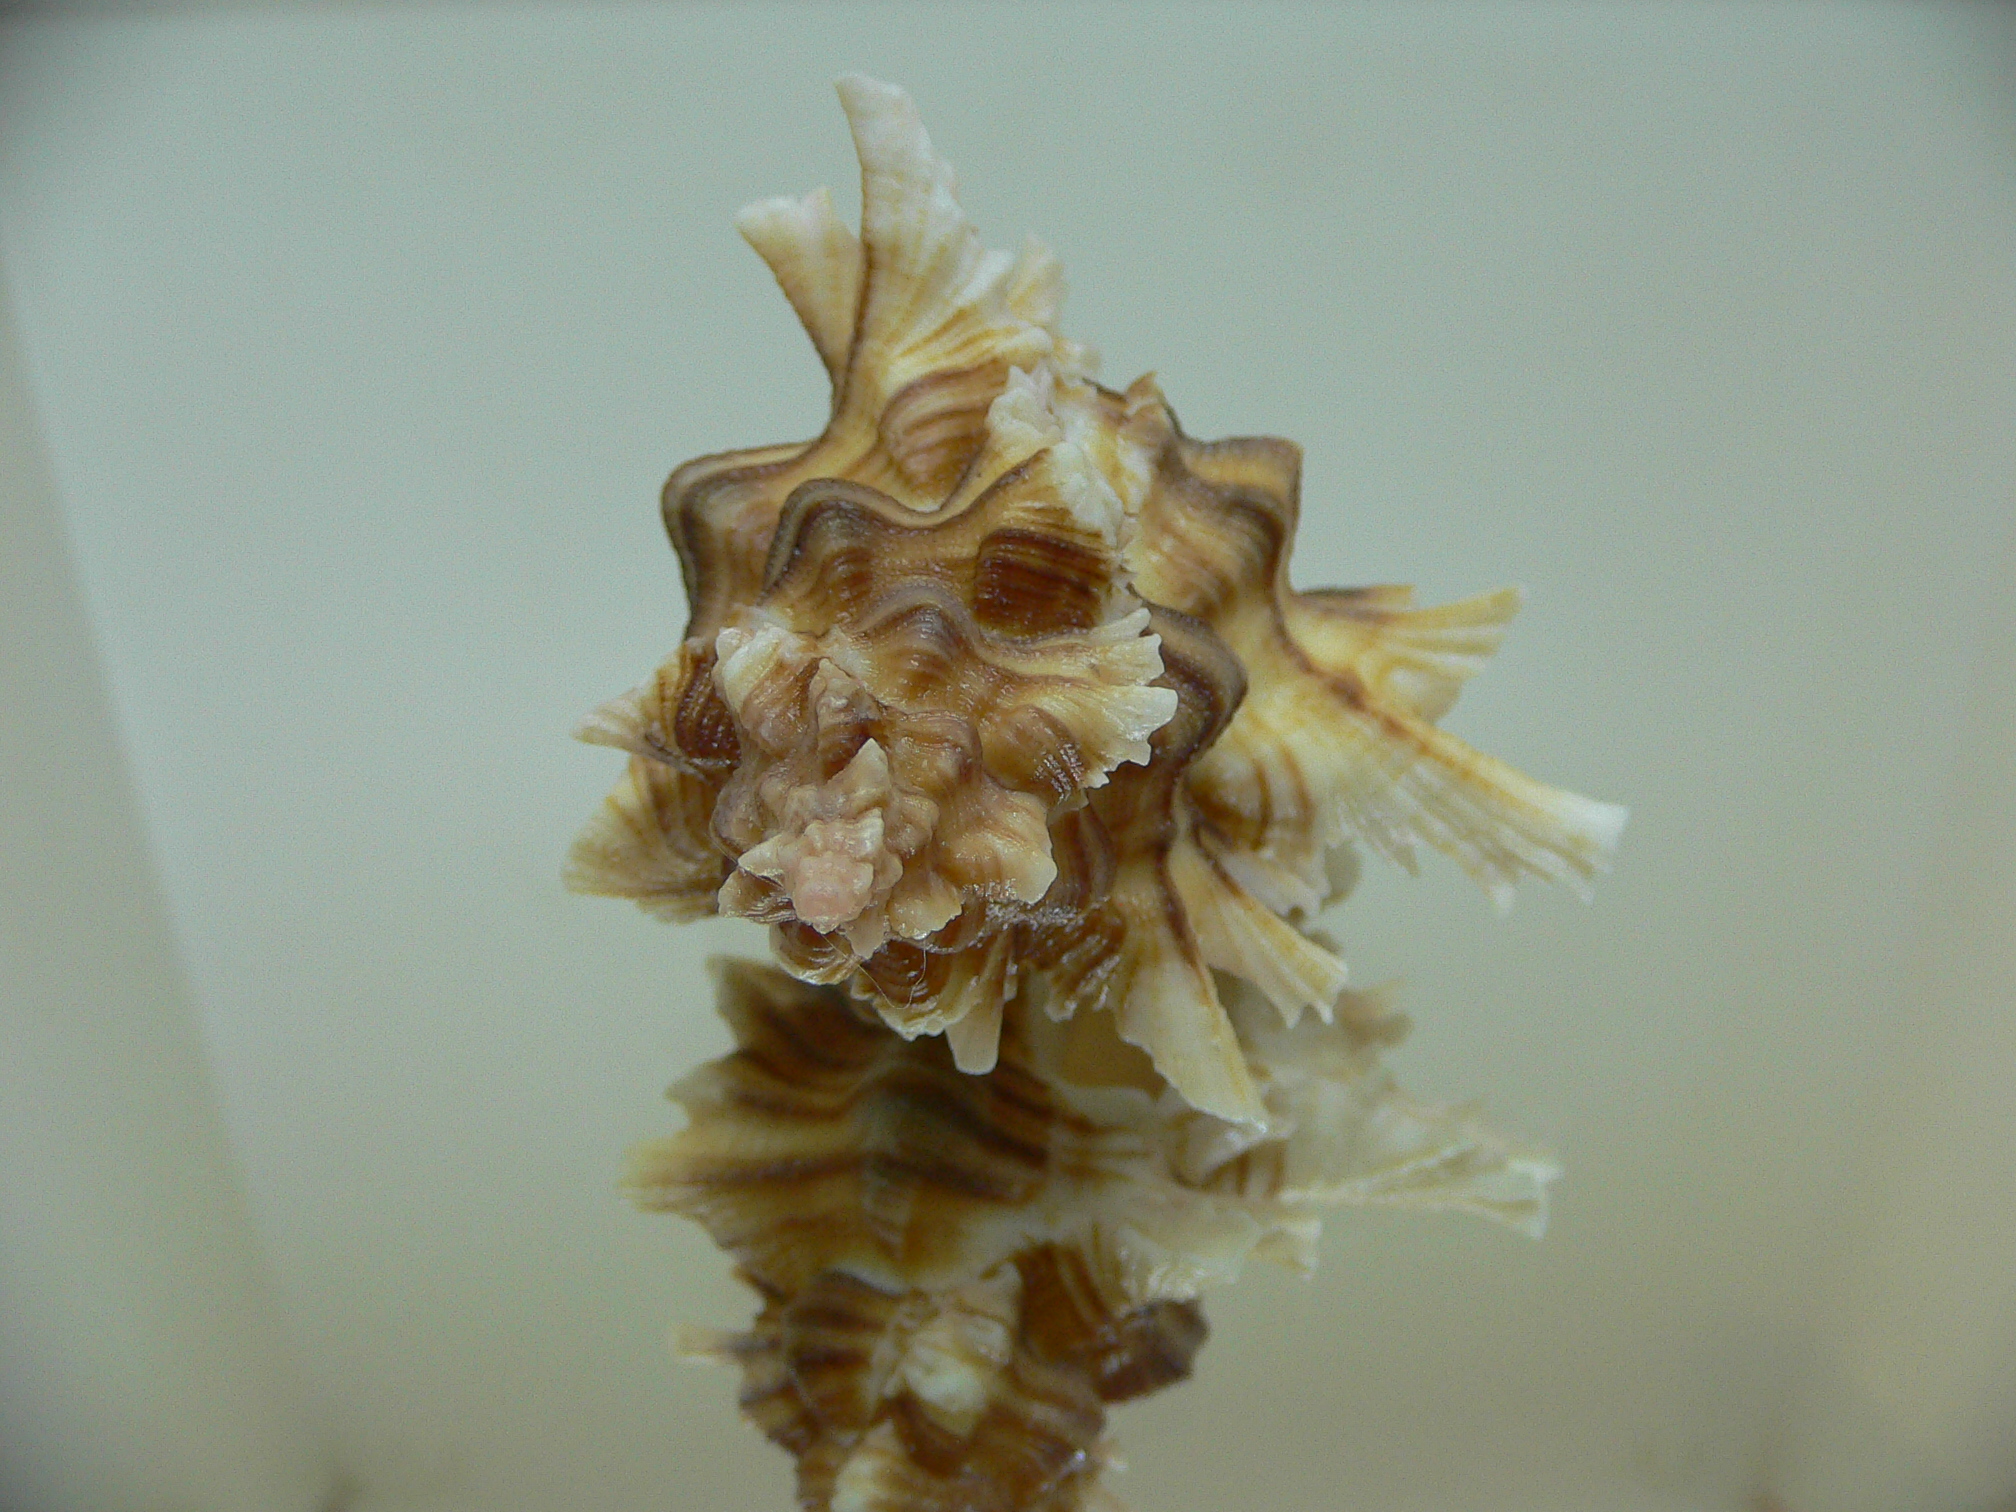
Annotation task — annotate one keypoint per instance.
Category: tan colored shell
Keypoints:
(996, 705)
(1003, 673)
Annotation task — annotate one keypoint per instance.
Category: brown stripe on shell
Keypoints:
(1073, 1314)
(936, 424)
(714, 507)
(835, 544)
(703, 731)
(1031, 751)
(1028, 582)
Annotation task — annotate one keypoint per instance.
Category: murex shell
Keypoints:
(997, 707)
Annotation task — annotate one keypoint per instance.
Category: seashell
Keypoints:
(997, 707)
(1002, 673)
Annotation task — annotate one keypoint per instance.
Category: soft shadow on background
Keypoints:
(349, 349)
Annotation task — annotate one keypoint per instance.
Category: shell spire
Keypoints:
(997, 707)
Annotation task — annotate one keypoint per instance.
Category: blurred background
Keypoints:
(343, 350)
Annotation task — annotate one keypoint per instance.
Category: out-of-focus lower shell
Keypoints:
(959, 1271)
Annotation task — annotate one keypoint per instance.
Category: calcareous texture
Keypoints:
(997, 707)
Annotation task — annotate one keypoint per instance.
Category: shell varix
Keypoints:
(997, 707)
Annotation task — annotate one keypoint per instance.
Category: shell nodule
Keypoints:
(997, 707)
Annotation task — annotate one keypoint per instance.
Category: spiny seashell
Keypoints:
(1003, 674)
(959, 1271)
(997, 706)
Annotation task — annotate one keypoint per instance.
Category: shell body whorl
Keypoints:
(997, 707)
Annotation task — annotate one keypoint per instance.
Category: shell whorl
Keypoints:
(997, 707)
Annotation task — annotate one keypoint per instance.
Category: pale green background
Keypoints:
(360, 339)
